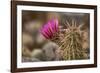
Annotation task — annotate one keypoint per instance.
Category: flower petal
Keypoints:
(49, 29)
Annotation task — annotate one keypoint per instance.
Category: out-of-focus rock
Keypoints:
(32, 27)
(50, 50)
(38, 53)
(86, 56)
(26, 52)
(85, 39)
(27, 39)
(27, 59)
(85, 45)
(85, 35)
(40, 39)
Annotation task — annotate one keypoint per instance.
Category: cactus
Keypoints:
(70, 43)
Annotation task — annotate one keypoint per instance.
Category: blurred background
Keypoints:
(35, 47)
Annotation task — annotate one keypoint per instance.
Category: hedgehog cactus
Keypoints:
(70, 45)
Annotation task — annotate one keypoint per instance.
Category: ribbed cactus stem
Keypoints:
(71, 44)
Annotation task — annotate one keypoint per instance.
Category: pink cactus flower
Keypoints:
(49, 29)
